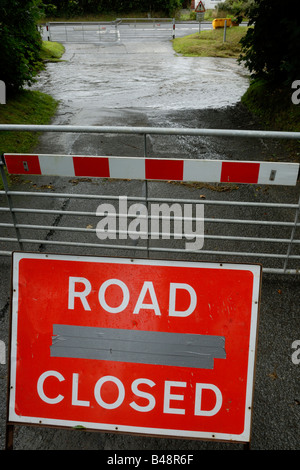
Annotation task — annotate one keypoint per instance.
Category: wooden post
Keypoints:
(9, 437)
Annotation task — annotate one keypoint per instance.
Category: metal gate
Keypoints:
(146, 27)
(113, 31)
(83, 32)
(261, 226)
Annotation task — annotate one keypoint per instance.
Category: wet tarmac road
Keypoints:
(136, 84)
(136, 76)
(146, 84)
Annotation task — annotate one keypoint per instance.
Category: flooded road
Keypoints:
(137, 83)
(145, 77)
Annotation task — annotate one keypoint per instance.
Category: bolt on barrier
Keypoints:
(102, 221)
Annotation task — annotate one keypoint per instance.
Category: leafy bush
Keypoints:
(50, 10)
(237, 8)
(79, 7)
(20, 43)
(270, 49)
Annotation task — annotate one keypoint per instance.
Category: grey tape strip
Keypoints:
(143, 347)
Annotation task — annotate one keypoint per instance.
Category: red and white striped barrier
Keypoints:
(212, 171)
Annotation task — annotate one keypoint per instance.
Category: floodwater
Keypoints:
(139, 76)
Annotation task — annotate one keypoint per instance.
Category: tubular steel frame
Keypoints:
(292, 225)
(133, 26)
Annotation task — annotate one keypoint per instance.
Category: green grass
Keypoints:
(209, 15)
(274, 108)
(28, 107)
(273, 105)
(210, 43)
(51, 51)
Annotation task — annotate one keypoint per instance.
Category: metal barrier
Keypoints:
(147, 27)
(265, 232)
(113, 31)
(81, 32)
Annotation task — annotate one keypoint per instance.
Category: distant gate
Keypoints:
(82, 32)
(146, 27)
(111, 31)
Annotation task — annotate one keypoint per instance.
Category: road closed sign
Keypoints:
(153, 347)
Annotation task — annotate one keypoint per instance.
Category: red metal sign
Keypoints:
(140, 346)
(200, 8)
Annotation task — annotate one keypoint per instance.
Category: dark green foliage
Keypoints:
(270, 50)
(81, 7)
(236, 7)
(20, 43)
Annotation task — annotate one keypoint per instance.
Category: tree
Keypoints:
(81, 7)
(235, 7)
(20, 43)
(270, 49)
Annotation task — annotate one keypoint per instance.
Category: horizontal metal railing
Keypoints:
(109, 31)
(234, 229)
(98, 32)
(81, 32)
(121, 28)
(145, 27)
(144, 131)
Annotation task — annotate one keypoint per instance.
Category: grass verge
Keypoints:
(28, 107)
(273, 105)
(210, 43)
(51, 51)
(274, 108)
